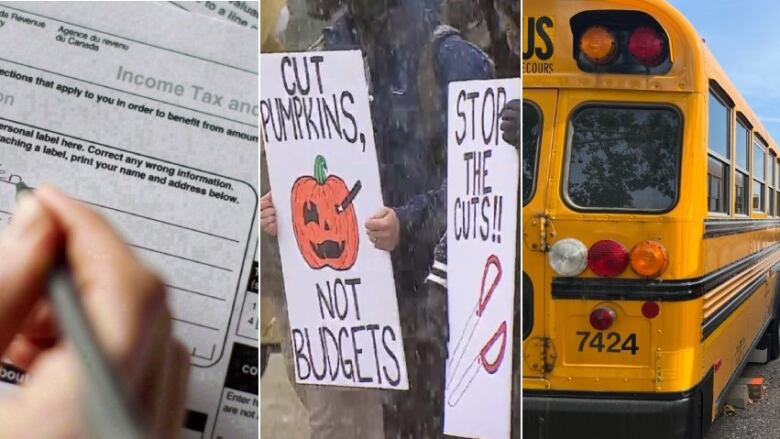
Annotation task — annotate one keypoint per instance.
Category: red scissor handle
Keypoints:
(484, 297)
(492, 367)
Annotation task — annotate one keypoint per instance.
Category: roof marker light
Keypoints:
(598, 44)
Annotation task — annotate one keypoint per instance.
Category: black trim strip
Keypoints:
(742, 364)
(708, 388)
(714, 321)
(716, 227)
(645, 396)
(642, 289)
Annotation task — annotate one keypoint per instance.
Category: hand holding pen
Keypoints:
(124, 304)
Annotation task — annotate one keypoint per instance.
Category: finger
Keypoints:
(267, 220)
(266, 201)
(269, 212)
(373, 224)
(37, 333)
(23, 351)
(269, 226)
(266, 224)
(382, 225)
(40, 322)
(175, 391)
(28, 248)
(509, 127)
(54, 387)
(152, 397)
(375, 234)
(381, 213)
(152, 359)
(140, 335)
(510, 116)
(382, 234)
(122, 299)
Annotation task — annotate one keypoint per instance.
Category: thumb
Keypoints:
(28, 248)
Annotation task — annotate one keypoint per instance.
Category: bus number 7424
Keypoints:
(607, 342)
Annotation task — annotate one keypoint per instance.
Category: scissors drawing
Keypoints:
(491, 355)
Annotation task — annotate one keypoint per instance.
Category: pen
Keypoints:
(341, 207)
(109, 411)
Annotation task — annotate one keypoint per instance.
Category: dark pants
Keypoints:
(419, 412)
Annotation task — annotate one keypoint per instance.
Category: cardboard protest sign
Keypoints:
(482, 184)
(317, 130)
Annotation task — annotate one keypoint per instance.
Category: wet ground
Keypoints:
(284, 417)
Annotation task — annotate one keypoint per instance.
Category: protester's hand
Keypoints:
(510, 123)
(384, 229)
(126, 307)
(268, 214)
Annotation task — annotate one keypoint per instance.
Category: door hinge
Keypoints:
(539, 232)
(539, 354)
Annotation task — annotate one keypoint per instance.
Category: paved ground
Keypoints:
(760, 420)
(284, 417)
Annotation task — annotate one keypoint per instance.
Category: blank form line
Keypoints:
(199, 325)
(163, 222)
(180, 257)
(221, 299)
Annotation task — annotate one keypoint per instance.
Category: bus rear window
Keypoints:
(624, 158)
(532, 129)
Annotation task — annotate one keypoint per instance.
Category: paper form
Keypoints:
(149, 115)
(238, 12)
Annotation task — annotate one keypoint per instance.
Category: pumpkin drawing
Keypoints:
(324, 219)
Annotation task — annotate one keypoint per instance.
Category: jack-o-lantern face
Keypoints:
(324, 219)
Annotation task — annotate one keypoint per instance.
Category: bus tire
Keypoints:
(774, 339)
(773, 331)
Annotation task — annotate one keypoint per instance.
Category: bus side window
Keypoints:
(759, 175)
(742, 182)
(777, 187)
(719, 155)
(771, 182)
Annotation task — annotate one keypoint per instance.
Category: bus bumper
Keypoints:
(553, 415)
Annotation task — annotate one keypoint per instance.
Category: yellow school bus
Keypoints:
(650, 224)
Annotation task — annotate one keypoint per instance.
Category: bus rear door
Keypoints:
(539, 107)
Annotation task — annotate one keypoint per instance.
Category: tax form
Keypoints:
(238, 12)
(149, 115)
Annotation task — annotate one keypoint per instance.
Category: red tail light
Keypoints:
(646, 45)
(607, 258)
(602, 318)
(650, 309)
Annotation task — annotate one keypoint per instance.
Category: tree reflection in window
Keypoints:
(624, 158)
